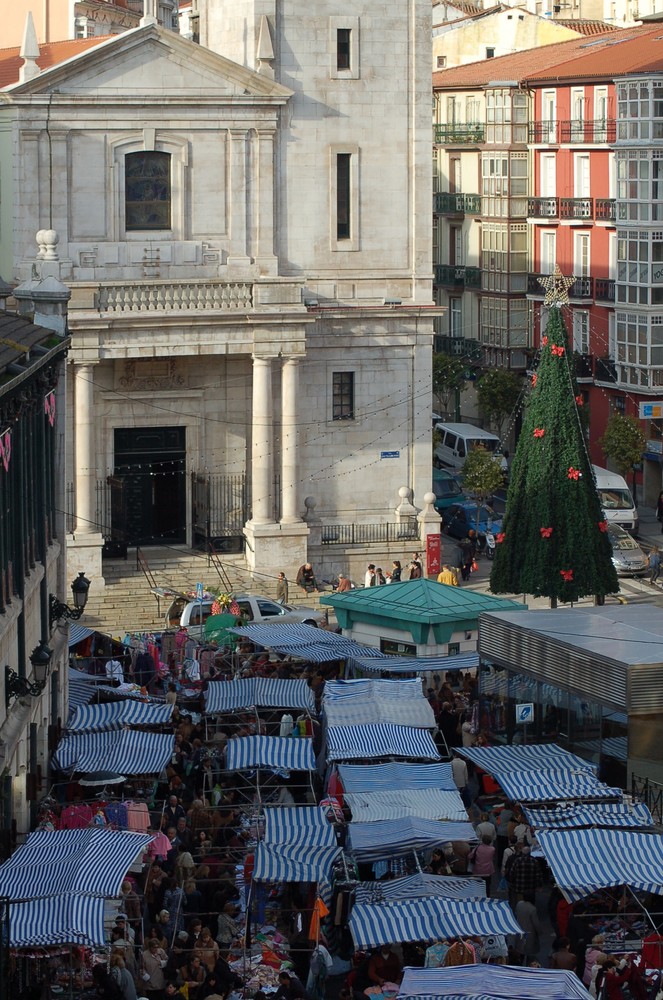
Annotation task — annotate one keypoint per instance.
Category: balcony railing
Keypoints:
(167, 296)
(446, 203)
(459, 347)
(584, 132)
(584, 365)
(604, 370)
(450, 276)
(542, 208)
(546, 131)
(369, 534)
(604, 210)
(582, 288)
(576, 208)
(460, 135)
(604, 289)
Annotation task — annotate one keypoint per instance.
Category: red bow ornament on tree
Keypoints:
(546, 532)
(544, 341)
(573, 473)
(539, 432)
(557, 350)
(580, 401)
(499, 537)
(603, 525)
(567, 575)
(535, 379)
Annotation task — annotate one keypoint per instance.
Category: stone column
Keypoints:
(238, 257)
(289, 466)
(84, 454)
(263, 442)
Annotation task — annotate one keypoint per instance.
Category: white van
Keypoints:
(616, 499)
(457, 441)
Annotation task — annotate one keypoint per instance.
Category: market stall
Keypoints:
(117, 715)
(395, 838)
(491, 982)
(372, 925)
(371, 702)
(344, 743)
(127, 751)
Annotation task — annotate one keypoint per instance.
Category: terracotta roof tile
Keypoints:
(50, 54)
(587, 27)
(577, 57)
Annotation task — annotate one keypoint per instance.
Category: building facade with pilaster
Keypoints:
(251, 328)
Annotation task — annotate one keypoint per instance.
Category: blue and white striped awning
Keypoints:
(279, 753)
(126, 751)
(78, 632)
(537, 757)
(299, 825)
(583, 861)
(376, 777)
(391, 839)
(290, 863)
(52, 862)
(419, 886)
(371, 702)
(415, 664)
(429, 919)
(619, 814)
(72, 918)
(258, 692)
(342, 649)
(117, 714)
(491, 982)
(305, 641)
(383, 740)
(427, 803)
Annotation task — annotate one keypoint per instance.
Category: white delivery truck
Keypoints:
(616, 499)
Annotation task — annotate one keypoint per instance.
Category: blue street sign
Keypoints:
(524, 714)
(390, 454)
(199, 591)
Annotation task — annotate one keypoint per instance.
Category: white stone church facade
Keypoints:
(245, 228)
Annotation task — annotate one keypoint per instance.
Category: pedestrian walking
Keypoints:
(654, 564)
(416, 567)
(526, 915)
(448, 576)
(396, 571)
(282, 589)
(483, 861)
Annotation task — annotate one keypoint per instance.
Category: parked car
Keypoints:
(627, 556)
(446, 489)
(456, 442)
(459, 518)
(192, 615)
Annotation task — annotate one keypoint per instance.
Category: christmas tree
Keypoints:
(554, 541)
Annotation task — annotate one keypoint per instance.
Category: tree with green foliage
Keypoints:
(554, 541)
(448, 379)
(482, 475)
(623, 442)
(498, 392)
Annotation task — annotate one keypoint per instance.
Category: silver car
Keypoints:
(192, 615)
(627, 556)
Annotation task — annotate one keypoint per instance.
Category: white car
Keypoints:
(192, 615)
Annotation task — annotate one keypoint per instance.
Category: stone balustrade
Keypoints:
(174, 296)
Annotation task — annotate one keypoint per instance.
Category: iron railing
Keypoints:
(448, 203)
(369, 534)
(582, 288)
(451, 276)
(604, 289)
(651, 793)
(592, 131)
(542, 208)
(460, 135)
(605, 210)
(576, 208)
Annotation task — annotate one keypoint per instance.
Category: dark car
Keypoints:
(446, 490)
(458, 519)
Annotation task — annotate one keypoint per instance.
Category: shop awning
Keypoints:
(491, 982)
(324, 653)
(58, 920)
(619, 814)
(429, 919)
(78, 632)
(391, 839)
(540, 773)
(288, 863)
(428, 803)
(258, 692)
(384, 740)
(279, 753)
(415, 664)
(298, 825)
(114, 715)
(583, 861)
(127, 751)
(375, 777)
(370, 702)
(53, 862)
(305, 641)
(419, 886)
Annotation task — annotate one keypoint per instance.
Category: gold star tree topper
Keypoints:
(557, 288)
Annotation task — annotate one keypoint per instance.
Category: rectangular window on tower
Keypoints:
(147, 190)
(343, 199)
(343, 36)
(343, 395)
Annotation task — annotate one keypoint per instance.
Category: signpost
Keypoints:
(433, 554)
(651, 411)
(390, 454)
(524, 717)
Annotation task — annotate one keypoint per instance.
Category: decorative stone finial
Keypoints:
(149, 13)
(265, 51)
(29, 51)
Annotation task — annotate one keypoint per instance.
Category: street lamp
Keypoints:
(19, 687)
(79, 590)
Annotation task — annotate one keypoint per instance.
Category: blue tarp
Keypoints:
(258, 692)
(53, 862)
(290, 863)
(383, 740)
(377, 777)
(126, 752)
(59, 920)
(427, 803)
(583, 861)
(429, 919)
(603, 814)
(419, 886)
(117, 714)
(491, 982)
(390, 839)
(278, 753)
(299, 825)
